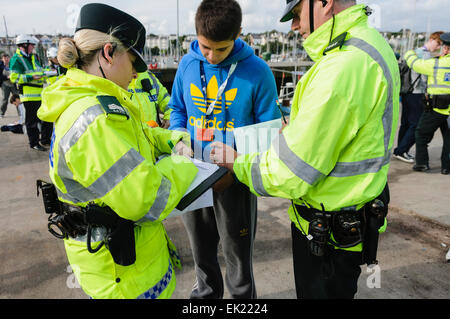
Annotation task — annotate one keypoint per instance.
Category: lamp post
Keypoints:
(178, 33)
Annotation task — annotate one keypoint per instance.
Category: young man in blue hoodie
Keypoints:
(220, 85)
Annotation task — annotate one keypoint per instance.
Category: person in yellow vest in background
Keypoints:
(152, 97)
(103, 163)
(333, 157)
(54, 71)
(28, 75)
(437, 112)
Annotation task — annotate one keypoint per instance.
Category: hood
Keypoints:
(316, 43)
(241, 51)
(76, 85)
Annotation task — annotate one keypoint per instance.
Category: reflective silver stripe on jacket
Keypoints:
(342, 169)
(299, 167)
(372, 165)
(435, 72)
(76, 192)
(24, 64)
(435, 77)
(439, 86)
(389, 109)
(160, 202)
(156, 86)
(414, 61)
(30, 95)
(154, 83)
(257, 178)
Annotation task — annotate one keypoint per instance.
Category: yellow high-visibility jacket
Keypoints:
(22, 71)
(336, 149)
(102, 153)
(150, 102)
(60, 72)
(438, 71)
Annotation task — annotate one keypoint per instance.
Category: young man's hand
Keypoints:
(223, 155)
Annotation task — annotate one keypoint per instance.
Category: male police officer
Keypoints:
(332, 159)
(437, 112)
(27, 74)
(152, 98)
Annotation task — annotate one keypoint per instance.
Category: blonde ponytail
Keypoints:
(80, 50)
(67, 53)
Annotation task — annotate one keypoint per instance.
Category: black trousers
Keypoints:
(32, 124)
(429, 122)
(232, 221)
(412, 108)
(333, 276)
(46, 132)
(32, 121)
(15, 128)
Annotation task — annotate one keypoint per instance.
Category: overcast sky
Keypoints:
(160, 16)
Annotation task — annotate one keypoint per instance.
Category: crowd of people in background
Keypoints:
(423, 74)
(23, 78)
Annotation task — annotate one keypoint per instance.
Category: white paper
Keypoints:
(256, 137)
(206, 199)
(51, 73)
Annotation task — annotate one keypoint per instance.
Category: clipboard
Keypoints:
(256, 137)
(201, 188)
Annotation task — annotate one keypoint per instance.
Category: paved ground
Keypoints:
(411, 252)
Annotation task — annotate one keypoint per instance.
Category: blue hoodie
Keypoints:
(250, 95)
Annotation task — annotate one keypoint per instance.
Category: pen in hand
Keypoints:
(281, 111)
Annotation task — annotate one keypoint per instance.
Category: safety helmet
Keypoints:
(52, 52)
(26, 39)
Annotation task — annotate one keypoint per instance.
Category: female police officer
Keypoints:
(102, 154)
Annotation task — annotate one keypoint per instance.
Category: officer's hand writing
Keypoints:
(223, 155)
(183, 150)
(37, 77)
(165, 123)
(283, 125)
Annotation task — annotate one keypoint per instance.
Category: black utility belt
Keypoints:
(441, 101)
(347, 226)
(72, 221)
(309, 213)
(345, 229)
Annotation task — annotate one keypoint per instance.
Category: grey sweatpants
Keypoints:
(232, 221)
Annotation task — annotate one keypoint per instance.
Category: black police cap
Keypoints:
(107, 19)
(445, 38)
